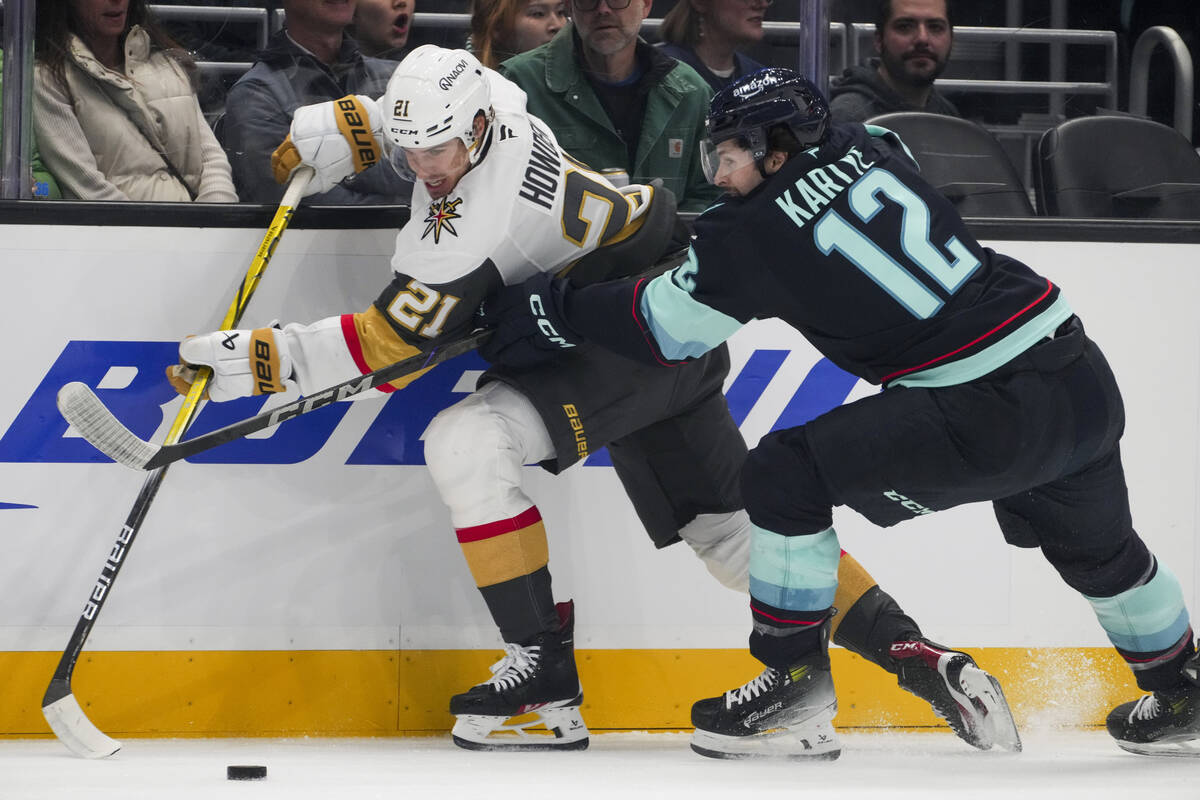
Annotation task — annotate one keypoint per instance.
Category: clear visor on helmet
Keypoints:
(446, 157)
(394, 154)
(724, 158)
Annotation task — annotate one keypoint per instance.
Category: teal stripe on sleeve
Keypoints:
(682, 326)
(798, 573)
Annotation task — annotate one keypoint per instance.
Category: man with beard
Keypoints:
(913, 39)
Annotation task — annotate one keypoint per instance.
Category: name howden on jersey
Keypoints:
(540, 184)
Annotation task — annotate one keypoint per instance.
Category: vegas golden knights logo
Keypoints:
(438, 220)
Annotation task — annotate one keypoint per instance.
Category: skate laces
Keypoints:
(1147, 707)
(748, 691)
(517, 665)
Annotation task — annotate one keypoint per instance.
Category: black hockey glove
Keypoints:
(528, 322)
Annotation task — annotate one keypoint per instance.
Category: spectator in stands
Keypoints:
(615, 102)
(501, 29)
(311, 60)
(913, 39)
(114, 109)
(705, 35)
(381, 27)
(44, 186)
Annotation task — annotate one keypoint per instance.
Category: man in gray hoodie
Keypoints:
(913, 39)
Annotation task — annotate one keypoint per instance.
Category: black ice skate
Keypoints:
(960, 692)
(1163, 723)
(780, 713)
(532, 700)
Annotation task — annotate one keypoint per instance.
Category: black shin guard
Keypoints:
(869, 627)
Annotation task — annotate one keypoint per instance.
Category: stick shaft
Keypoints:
(170, 453)
(60, 683)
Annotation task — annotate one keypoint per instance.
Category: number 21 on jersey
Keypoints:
(835, 232)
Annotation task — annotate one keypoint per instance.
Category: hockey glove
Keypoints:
(244, 363)
(337, 138)
(528, 321)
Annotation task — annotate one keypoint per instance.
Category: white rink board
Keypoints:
(324, 555)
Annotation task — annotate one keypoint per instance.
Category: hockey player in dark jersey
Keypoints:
(991, 392)
(503, 202)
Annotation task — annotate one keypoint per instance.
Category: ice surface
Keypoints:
(619, 766)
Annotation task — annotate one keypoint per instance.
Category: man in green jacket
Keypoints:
(615, 102)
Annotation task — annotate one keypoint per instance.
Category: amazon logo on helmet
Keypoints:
(751, 106)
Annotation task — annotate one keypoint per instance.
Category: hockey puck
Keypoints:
(245, 772)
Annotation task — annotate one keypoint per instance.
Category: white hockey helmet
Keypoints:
(433, 97)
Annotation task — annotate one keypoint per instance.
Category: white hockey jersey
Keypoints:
(525, 206)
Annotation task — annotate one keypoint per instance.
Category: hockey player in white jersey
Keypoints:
(495, 201)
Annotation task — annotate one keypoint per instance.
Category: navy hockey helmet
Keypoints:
(751, 106)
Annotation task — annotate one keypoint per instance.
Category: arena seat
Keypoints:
(963, 161)
(1117, 166)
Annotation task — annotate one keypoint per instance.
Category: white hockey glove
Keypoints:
(244, 363)
(337, 138)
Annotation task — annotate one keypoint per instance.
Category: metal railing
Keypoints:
(1139, 74)
(259, 17)
(1015, 36)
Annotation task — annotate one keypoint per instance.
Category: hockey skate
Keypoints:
(961, 693)
(785, 714)
(1163, 723)
(532, 700)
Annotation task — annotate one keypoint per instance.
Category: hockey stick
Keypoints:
(94, 422)
(67, 719)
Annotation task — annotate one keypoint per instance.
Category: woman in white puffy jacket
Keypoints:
(115, 111)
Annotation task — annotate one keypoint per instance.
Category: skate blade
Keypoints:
(1180, 748)
(993, 724)
(551, 729)
(816, 743)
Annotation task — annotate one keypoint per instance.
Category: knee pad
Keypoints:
(722, 541)
(781, 488)
(475, 450)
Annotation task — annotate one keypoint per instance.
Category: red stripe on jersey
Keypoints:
(350, 334)
(973, 342)
(647, 335)
(488, 530)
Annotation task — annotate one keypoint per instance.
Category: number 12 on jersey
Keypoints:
(834, 232)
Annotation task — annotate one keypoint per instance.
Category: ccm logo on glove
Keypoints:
(544, 325)
(353, 122)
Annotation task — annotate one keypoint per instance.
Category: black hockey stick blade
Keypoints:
(94, 422)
